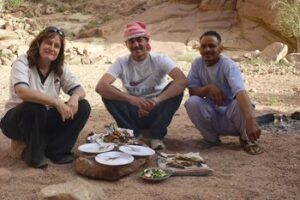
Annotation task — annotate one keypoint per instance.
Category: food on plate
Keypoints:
(184, 160)
(113, 134)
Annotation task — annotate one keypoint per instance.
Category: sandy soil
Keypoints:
(274, 174)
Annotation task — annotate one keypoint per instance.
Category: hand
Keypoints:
(64, 110)
(252, 129)
(73, 104)
(141, 103)
(142, 113)
(216, 94)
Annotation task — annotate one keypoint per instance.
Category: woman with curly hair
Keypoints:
(34, 113)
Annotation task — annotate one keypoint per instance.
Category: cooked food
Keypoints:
(184, 160)
(118, 135)
(154, 173)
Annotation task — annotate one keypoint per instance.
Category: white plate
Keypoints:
(137, 150)
(96, 148)
(114, 158)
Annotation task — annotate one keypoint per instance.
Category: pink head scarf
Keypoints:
(136, 29)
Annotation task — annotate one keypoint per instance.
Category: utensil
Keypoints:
(112, 157)
(137, 150)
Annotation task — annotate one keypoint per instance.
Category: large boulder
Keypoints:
(258, 24)
(274, 52)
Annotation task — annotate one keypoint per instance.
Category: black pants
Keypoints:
(43, 131)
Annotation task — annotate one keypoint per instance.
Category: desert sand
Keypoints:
(273, 175)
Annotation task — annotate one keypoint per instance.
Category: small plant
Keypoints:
(254, 61)
(273, 100)
(289, 18)
(13, 3)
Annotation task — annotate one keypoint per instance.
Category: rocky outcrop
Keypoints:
(258, 24)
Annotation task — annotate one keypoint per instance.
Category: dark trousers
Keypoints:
(43, 131)
(126, 116)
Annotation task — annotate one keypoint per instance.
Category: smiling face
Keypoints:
(49, 48)
(138, 47)
(210, 49)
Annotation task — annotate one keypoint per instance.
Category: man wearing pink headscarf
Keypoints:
(148, 101)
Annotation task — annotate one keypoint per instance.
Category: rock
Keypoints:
(13, 48)
(274, 52)
(8, 35)
(96, 32)
(85, 59)
(293, 58)
(217, 5)
(87, 166)
(193, 44)
(5, 175)
(236, 58)
(258, 23)
(49, 10)
(72, 190)
(252, 54)
(5, 61)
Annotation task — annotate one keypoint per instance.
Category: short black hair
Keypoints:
(212, 33)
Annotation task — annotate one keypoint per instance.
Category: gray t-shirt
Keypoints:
(143, 79)
(225, 74)
(29, 77)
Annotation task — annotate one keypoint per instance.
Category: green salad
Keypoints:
(154, 173)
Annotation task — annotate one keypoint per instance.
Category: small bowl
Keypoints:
(167, 172)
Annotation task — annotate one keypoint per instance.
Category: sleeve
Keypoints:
(115, 69)
(19, 72)
(193, 75)
(68, 81)
(234, 77)
(166, 64)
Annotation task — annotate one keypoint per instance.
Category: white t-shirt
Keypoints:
(29, 77)
(144, 79)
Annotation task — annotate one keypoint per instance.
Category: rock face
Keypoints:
(73, 190)
(258, 24)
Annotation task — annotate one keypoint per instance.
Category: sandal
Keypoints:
(251, 148)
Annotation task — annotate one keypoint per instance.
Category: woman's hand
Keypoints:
(73, 104)
(64, 110)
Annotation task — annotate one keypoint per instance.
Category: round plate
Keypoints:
(137, 150)
(167, 174)
(114, 158)
(96, 148)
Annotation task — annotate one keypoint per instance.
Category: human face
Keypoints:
(49, 49)
(210, 49)
(138, 48)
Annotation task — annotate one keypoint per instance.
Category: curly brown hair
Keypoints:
(33, 51)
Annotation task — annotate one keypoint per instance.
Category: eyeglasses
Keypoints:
(55, 30)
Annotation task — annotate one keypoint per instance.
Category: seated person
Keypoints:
(149, 102)
(218, 103)
(34, 113)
